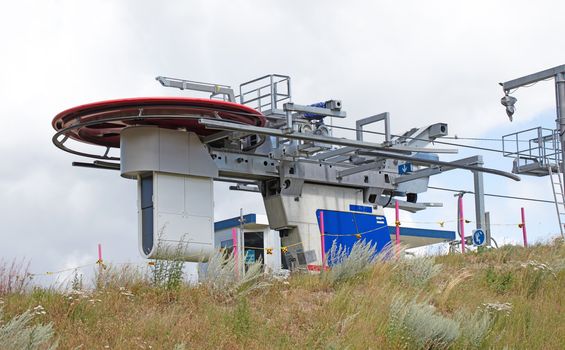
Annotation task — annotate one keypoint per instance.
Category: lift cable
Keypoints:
(418, 139)
(494, 195)
(479, 139)
(474, 138)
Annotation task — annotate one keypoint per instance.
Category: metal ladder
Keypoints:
(558, 196)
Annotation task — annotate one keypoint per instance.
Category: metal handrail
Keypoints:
(542, 147)
(258, 93)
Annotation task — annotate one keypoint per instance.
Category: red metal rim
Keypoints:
(165, 112)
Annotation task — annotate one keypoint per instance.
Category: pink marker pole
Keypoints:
(397, 223)
(323, 240)
(99, 253)
(235, 247)
(524, 234)
(462, 224)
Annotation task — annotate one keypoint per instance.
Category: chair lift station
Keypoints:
(262, 141)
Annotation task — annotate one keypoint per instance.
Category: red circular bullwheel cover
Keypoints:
(107, 133)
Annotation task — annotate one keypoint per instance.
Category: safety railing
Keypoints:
(266, 93)
(532, 149)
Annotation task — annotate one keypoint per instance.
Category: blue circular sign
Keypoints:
(479, 237)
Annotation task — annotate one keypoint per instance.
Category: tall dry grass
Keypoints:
(462, 306)
(14, 276)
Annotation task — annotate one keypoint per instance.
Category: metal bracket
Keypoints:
(292, 107)
(373, 119)
(213, 89)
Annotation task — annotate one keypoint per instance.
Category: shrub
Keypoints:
(420, 325)
(347, 264)
(418, 271)
(18, 334)
(474, 327)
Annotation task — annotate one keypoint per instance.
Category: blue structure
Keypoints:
(234, 222)
(346, 228)
(423, 233)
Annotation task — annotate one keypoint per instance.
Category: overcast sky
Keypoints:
(422, 61)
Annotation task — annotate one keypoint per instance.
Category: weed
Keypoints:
(241, 319)
(168, 273)
(76, 283)
(500, 282)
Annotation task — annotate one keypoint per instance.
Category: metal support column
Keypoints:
(487, 229)
(479, 196)
(560, 102)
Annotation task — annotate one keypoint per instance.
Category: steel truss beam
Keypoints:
(376, 150)
(222, 125)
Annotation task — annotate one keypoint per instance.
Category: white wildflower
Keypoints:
(127, 293)
(499, 307)
(39, 310)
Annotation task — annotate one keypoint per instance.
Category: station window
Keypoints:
(146, 183)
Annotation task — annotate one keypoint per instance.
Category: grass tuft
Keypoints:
(224, 280)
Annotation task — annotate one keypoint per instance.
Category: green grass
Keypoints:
(511, 298)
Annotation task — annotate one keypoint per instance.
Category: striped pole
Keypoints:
(461, 224)
(397, 223)
(100, 253)
(524, 234)
(323, 240)
(235, 248)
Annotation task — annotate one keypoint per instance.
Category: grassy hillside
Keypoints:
(511, 298)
